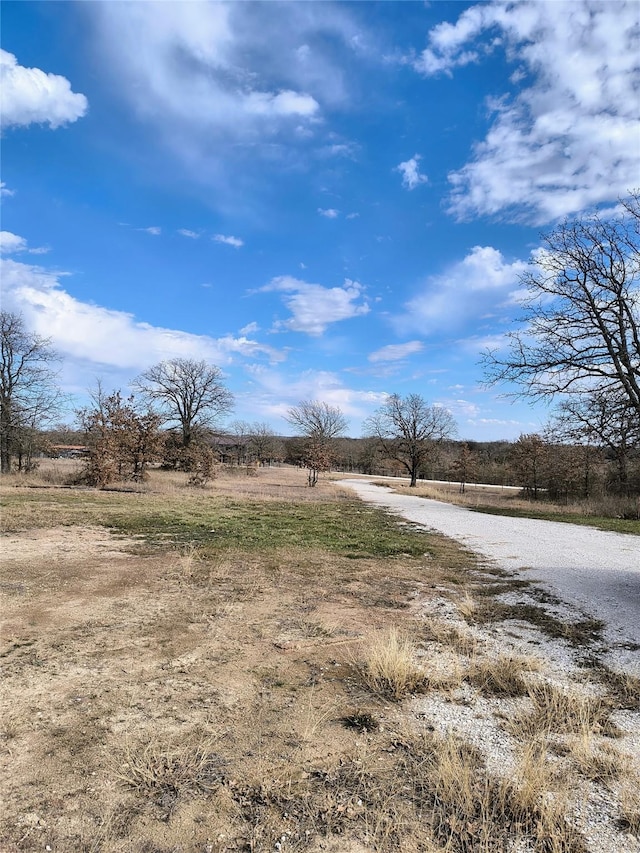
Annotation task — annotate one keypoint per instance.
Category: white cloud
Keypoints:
(352, 215)
(193, 235)
(410, 171)
(10, 243)
(230, 69)
(250, 329)
(4, 190)
(155, 230)
(30, 96)
(568, 139)
(329, 212)
(469, 289)
(236, 242)
(396, 352)
(461, 408)
(276, 392)
(314, 307)
(340, 149)
(85, 332)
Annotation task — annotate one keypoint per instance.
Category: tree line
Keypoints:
(577, 344)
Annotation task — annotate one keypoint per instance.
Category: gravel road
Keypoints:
(595, 570)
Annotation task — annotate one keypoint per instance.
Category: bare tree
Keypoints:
(529, 454)
(263, 442)
(408, 429)
(189, 393)
(319, 423)
(241, 432)
(581, 313)
(465, 466)
(28, 391)
(600, 419)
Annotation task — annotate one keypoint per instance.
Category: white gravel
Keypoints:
(594, 570)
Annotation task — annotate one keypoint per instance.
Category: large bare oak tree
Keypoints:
(581, 313)
(407, 429)
(29, 395)
(189, 393)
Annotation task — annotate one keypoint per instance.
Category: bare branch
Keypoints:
(407, 429)
(190, 393)
(581, 313)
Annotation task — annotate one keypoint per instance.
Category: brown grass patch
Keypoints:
(502, 676)
(390, 667)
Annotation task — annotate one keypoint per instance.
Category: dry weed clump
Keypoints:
(502, 676)
(629, 794)
(468, 810)
(391, 668)
(562, 711)
(162, 773)
(595, 761)
(446, 634)
(623, 689)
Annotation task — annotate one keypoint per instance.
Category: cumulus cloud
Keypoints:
(30, 96)
(12, 243)
(155, 230)
(314, 307)
(236, 242)
(86, 332)
(475, 287)
(411, 175)
(329, 212)
(565, 139)
(185, 232)
(396, 352)
(5, 191)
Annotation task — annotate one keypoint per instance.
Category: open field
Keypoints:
(262, 666)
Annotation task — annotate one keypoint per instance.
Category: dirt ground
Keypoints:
(155, 701)
(113, 660)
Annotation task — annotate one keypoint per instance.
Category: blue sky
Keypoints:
(329, 201)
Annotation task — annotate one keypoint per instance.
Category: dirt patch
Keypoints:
(63, 544)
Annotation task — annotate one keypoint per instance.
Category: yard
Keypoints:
(262, 666)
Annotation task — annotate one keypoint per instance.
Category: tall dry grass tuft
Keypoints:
(502, 676)
(561, 711)
(629, 794)
(391, 668)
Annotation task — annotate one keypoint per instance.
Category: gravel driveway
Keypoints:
(596, 570)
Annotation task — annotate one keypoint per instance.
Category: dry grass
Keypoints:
(450, 634)
(186, 681)
(562, 711)
(608, 512)
(629, 793)
(390, 667)
(502, 676)
(162, 774)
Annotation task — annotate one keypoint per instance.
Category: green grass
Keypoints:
(616, 525)
(218, 523)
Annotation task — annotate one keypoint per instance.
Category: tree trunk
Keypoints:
(5, 445)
